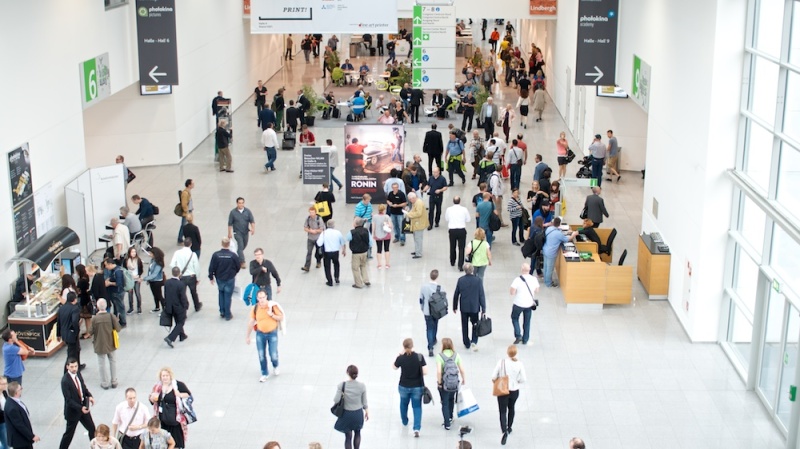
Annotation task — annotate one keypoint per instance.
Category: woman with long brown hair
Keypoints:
(84, 299)
(155, 277)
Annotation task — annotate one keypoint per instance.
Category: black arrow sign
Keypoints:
(158, 49)
(596, 63)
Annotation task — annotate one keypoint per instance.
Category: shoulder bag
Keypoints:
(468, 257)
(338, 407)
(427, 397)
(500, 387)
(535, 301)
(121, 433)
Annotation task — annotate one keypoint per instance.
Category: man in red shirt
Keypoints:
(307, 139)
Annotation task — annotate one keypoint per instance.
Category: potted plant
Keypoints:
(317, 104)
(480, 98)
(404, 76)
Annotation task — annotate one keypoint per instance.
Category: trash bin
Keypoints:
(468, 50)
(459, 49)
(353, 50)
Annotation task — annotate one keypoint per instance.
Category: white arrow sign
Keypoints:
(417, 41)
(417, 83)
(153, 74)
(417, 63)
(598, 74)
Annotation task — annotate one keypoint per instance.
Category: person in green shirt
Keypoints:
(447, 392)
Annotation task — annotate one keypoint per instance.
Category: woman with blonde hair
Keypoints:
(481, 254)
(382, 233)
(165, 397)
(513, 368)
(355, 408)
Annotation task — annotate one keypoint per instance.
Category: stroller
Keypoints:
(586, 168)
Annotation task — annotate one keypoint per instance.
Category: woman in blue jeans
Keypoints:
(412, 383)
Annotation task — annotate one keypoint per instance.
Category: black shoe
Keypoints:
(416, 257)
(169, 343)
(430, 227)
(82, 367)
(608, 179)
(367, 284)
(450, 185)
(337, 281)
(437, 225)
(329, 284)
(517, 341)
(505, 437)
(156, 310)
(129, 312)
(508, 431)
(430, 352)
(199, 306)
(139, 312)
(618, 177)
(184, 338)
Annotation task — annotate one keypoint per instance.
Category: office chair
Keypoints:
(606, 249)
(622, 257)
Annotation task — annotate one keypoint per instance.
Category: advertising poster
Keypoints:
(19, 175)
(371, 152)
(316, 166)
(323, 16)
(95, 80)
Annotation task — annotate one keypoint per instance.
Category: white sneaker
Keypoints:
(263, 379)
(474, 347)
(277, 371)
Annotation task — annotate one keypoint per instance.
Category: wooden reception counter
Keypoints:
(593, 282)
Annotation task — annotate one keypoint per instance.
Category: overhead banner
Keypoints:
(19, 174)
(434, 51)
(371, 152)
(546, 9)
(95, 80)
(158, 48)
(596, 63)
(323, 16)
(640, 87)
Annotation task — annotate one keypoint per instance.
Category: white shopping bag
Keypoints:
(466, 402)
(233, 247)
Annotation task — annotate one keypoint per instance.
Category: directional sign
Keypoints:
(597, 42)
(431, 58)
(434, 54)
(158, 49)
(437, 78)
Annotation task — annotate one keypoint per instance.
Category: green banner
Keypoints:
(90, 79)
(637, 67)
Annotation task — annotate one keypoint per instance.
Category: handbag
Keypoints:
(187, 410)
(484, 326)
(468, 257)
(427, 397)
(387, 226)
(338, 407)
(323, 210)
(121, 433)
(407, 226)
(584, 213)
(500, 387)
(115, 334)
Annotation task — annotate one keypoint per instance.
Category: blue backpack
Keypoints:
(250, 294)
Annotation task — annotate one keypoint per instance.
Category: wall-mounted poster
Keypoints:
(19, 175)
(371, 152)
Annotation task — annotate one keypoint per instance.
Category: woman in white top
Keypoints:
(515, 371)
(382, 233)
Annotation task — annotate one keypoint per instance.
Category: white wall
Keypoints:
(629, 123)
(42, 43)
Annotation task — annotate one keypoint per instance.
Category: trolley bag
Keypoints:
(289, 141)
(336, 113)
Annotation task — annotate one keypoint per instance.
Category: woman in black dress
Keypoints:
(84, 298)
(166, 405)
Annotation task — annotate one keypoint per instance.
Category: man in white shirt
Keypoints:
(515, 159)
(331, 241)
(457, 217)
(270, 141)
(333, 160)
(121, 240)
(130, 418)
(496, 188)
(522, 290)
(186, 261)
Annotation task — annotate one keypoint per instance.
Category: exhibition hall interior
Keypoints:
(677, 327)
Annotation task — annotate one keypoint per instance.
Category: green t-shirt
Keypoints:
(447, 353)
(480, 256)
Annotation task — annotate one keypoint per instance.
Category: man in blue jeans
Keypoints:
(265, 317)
(115, 287)
(553, 239)
(598, 151)
(223, 267)
(431, 324)
(522, 290)
(396, 200)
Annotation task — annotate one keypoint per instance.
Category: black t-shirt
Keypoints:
(261, 99)
(468, 103)
(398, 198)
(524, 84)
(410, 369)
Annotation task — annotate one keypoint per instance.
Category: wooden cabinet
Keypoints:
(653, 268)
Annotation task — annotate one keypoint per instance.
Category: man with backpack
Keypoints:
(433, 302)
(448, 371)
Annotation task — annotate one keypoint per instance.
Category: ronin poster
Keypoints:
(371, 152)
(19, 175)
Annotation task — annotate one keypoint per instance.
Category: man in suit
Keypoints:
(303, 105)
(214, 103)
(417, 98)
(77, 400)
(18, 422)
(175, 305)
(267, 116)
(469, 290)
(488, 117)
(433, 147)
(69, 327)
(293, 115)
(595, 207)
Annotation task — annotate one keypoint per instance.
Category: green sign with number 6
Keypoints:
(90, 80)
(95, 80)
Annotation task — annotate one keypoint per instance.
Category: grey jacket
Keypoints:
(495, 112)
(355, 395)
(596, 208)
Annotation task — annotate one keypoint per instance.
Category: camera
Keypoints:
(464, 430)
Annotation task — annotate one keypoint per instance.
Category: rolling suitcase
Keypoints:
(289, 141)
(336, 113)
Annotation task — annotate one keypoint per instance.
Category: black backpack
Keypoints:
(533, 246)
(437, 305)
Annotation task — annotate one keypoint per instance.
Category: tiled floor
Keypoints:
(623, 377)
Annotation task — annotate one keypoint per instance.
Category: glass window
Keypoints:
(794, 42)
(745, 279)
(740, 335)
(789, 180)
(785, 258)
(764, 91)
(771, 359)
(791, 113)
(768, 33)
(789, 366)
(752, 227)
(759, 156)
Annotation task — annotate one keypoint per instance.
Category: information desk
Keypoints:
(603, 233)
(593, 282)
(653, 268)
(37, 332)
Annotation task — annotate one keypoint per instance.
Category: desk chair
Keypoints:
(605, 250)
(622, 257)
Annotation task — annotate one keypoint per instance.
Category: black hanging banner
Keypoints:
(158, 48)
(596, 63)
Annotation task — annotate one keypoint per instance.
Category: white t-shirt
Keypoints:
(524, 298)
(456, 217)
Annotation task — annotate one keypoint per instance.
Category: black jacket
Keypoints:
(360, 242)
(277, 103)
(267, 116)
(72, 398)
(303, 104)
(595, 208)
(18, 425)
(69, 322)
(437, 99)
(292, 116)
(98, 287)
(192, 231)
(262, 278)
(224, 265)
(469, 289)
(175, 301)
(433, 144)
(223, 137)
(417, 97)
